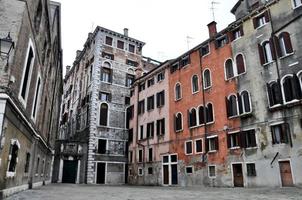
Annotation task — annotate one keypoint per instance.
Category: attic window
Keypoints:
(261, 20)
(221, 41)
(108, 56)
(185, 61)
(131, 63)
(205, 50)
(174, 67)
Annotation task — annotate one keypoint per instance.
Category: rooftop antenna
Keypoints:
(213, 3)
(92, 25)
(189, 41)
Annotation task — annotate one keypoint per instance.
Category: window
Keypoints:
(129, 80)
(192, 118)
(161, 76)
(27, 162)
(240, 64)
(107, 56)
(13, 156)
(130, 135)
(150, 170)
(150, 155)
(291, 88)
(201, 115)
(131, 93)
(43, 167)
(141, 87)
(150, 82)
(104, 96)
(212, 143)
(297, 3)
(284, 45)
(131, 48)
(221, 41)
(248, 138)
(195, 84)
(130, 158)
(188, 147)
(141, 133)
(140, 171)
(109, 40)
(207, 82)
(160, 127)
(150, 130)
(120, 44)
(265, 52)
(178, 122)
(229, 70)
(233, 140)
(131, 63)
(106, 75)
(29, 61)
(141, 107)
(212, 171)
(205, 50)
(127, 100)
(103, 114)
(261, 20)
(274, 93)
(37, 165)
(36, 99)
(184, 61)
(280, 133)
(177, 91)
(102, 146)
(232, 109)
(174, 67)
(237, 33)
(209, 113)
(251, 169)
(198, 146)
(245, 106)
(160, 99)
(189, 170)
(150, 103)
(140, 155)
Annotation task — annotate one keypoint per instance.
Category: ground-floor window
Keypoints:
(251, 169)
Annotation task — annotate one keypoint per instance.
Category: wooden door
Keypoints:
(174, 174)
(70, 171)
(286, 174)
(101, 173)
(166, 174)
(237, 175)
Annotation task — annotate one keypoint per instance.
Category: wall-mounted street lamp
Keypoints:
(6, 45)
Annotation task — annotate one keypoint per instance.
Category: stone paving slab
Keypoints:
(95, 192)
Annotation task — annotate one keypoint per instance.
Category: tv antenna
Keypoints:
(213, 3)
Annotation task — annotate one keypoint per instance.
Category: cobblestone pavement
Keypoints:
(89, 192)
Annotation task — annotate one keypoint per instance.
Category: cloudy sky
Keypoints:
(169, 27)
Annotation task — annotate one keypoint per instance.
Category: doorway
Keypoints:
(69, 171)
(101, 173)
(238, 175)
(286, 174)
(169, 170)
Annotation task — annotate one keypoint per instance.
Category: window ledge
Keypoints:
(198, 153)
(178, 131)
(109, 83)
(206, 55)
(237, 39)
(259, 27)
(292, 101)
(178, 99)
(280, 144)
(195, 92)
(234, 148)
(287, 55)
(251, 148)
(188, 154)
(297, 6)
(207, 88)
(212, 151)
(10, 174)
(268, 63)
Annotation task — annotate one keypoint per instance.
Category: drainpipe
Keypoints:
(278, 72)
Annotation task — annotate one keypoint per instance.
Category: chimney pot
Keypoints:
(67, 69)
(212, 29)
(126, 32)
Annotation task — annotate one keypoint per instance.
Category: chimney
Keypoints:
(90, 35)
(212, 29)
(67, 69)
(126, 32)
(78, 53)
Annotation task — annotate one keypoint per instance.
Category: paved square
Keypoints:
(89, 192)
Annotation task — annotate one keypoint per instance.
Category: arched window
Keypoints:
(201, 115)
(274, 93)
(195, 87)
(178, 122)
(240, 64)
(285, 45)
(177, 91)
(13, 155)
(106, 72)
(246, 103)
(103, 114)
(192, 117)
(268, 57)
(229, 71)
(291, 88)
(231, 103)
(207, 82)
(209, 113)
(300, 79)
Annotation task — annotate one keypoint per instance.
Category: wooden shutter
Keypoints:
(296, 87)
(157, 127)
(206, 145)
(288, 44)
(279, 94)
(255, 22)
(240, 103)
(261, 54)
(231, 35)
(272, 46)
(253, 138)
(157, 99)
(285, 133)
(216, 143)
(270, 95)
(227, 107)
(163, 126)
(189, 119)
(277, 45)
(175, 123)
(163, 98)
(267, 17)
(241, 30)
(228, 140)
(242, 138)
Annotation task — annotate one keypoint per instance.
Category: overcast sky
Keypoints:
(164, 25)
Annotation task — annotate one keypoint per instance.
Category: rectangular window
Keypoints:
(102, 145)
(189, 147)
(140, 155)
(237, 33)
(131, 48)
(130, 157)
(251, 169)
(249, 138)
(198, 146)
(129, 80)
(174, 67)
(27, 73)
(27, 161)
(107, 56)
(36, 100)
(37, 166)
(131, 93)
(150, 170)
(212, 143)
(120, 44)
(150, 103)
(104, 96)
(106, 75)
(160, 127)
(140, 172)
(221, 41)
(150, 130)
(161, 76)
(261, 20)
(109, 40)
(130, 135)
(131, 63)
(280, 133)
(141, 87)
(189, 170)
(150, 82)
(233, 140)
(127, 100)
(141, 107)
(150, 154)
(160, 99)
(205, 50)
(141, 132)
(184, 61)
(212, 171)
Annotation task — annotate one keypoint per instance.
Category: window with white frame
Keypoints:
(140, 155)
(150, 154)
(141, 133)
(245, 102)
(297, 3)
(291, 88)
(212, 143)
(228, 69)
(201, 116)
(284, 45)
(280, 133)
(140, 171)
(195, 84)
(233, 140)
(265, 52)
(207, 80)
(160, 76)
(232, 107)
(274, 93)
(251, 169)
(192, 118)
(178, 122)
(189, 147)
(102, 146)
(212, 171)
(261, 20)
(13, 157)
(209, 113)
(189, 169)
(104, 114)
(198, 146)
(177, 91)
(106, 75)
